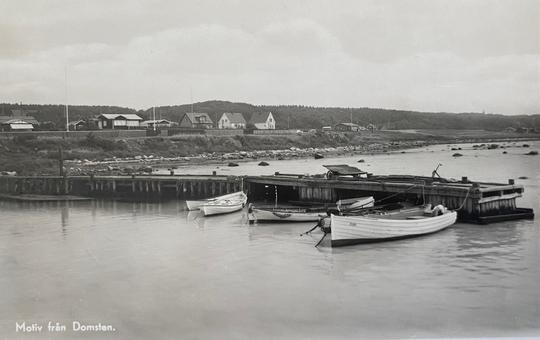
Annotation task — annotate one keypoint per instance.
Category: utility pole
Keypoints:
(289, 122)
(191, 97)
(66, 94)
(61, 161)
(154, 117)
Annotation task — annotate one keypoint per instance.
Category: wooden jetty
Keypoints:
(134, 187)
(477, 201)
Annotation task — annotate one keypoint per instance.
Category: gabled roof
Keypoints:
(259, 117)
(27, 119)
(16, 119)
(192, 116)
(20, 125)
(235, 117)
(151, 121)
(348, 124)
(128, 116)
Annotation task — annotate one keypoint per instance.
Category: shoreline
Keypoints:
(133, 165)
(43, 156)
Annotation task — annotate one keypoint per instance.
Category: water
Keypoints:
(157, 271)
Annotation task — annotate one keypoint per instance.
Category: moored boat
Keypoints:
(285, 215)
(224, 206)
(356, 203)
(347, 230)
(196, 204)
(305, 214)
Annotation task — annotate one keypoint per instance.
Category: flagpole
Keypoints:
(154, 117)
(66, 95)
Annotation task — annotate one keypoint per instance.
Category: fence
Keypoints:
(77, 134)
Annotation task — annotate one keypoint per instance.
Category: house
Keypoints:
(159, 123)
(77, 125)
(326, 128)
(19, 120)
(14, 124)
(118, 121)
(263, 121)
(347, 127)
(232, 120)
(196, 120)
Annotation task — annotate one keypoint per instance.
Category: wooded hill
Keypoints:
(297, 116)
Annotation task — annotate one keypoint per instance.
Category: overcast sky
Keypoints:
(433, 55)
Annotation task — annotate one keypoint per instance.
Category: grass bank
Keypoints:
(30, 155)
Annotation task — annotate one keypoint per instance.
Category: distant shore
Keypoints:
(136, 155)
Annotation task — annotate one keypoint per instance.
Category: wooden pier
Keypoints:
(137, 187)
(477, 202)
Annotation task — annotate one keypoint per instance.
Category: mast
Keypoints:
(191, 97)
(66, 95)
(154, 117)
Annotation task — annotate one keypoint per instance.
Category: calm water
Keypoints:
(157, 271)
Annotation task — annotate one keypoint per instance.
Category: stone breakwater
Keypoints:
(145, 163)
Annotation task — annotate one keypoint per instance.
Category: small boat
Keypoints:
(224, 206)
(285, 214)
(196, 204)
(356, 203)
(347, 230)
(305, 214)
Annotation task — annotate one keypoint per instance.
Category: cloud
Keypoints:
(417, 55)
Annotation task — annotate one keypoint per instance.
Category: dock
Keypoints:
(479, 202)
(133, 187)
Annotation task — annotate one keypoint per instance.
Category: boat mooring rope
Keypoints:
(322, 238)
(464, 200)
(396, 194)
(310, 230)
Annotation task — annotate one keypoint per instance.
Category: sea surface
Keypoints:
(155, 270)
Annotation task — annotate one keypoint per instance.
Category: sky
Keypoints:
(425, 55)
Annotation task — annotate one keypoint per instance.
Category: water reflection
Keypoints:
(64, 216)
(155, 268)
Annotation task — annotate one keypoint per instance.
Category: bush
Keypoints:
(94, 141)
(24, 139)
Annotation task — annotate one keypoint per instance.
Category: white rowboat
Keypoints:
(196, 204)
(356, 203)
(285, 215)
(346, 230)
(224, 206)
